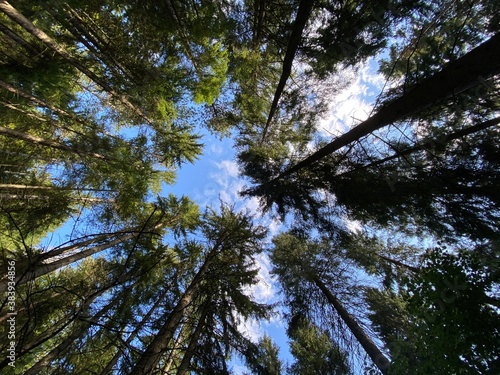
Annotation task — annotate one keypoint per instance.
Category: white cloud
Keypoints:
(265, 290)
(229, 167)
(354, 103)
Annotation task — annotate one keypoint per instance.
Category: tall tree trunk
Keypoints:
(65, 344)
(50, 188)
(426, 144)
(10, 11)
(464, 73)
(109, 367)
(42, 103)
(398, 263)
(378, 358)
(72, 21)
(45, 268)
(19, 40)
(175, 347)
(31, 306)
(20, 197)
(193, 343)
(151, 356)
(24, 348)
(47, 143)
(303, 13)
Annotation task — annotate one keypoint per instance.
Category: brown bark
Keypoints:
(378, 358)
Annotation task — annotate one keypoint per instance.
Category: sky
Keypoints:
(215, 177)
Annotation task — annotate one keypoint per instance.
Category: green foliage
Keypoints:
(99, 115)
(453, 310)
(314, 351)
(264, 360)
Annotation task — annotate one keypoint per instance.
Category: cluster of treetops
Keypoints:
(101, 101)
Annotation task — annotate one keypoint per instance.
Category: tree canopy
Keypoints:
(382, 233)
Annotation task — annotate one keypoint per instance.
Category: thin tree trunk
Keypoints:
(51, 332)
(20, 92)
(378, 358)
(109, 367)
(424, 145)
(72, 21)
(193, 343)
(398, 263)
(46, 143)
(29, 306)
(27, 95)
(50, 188)
(45, 268)
(10, 11)
(464, 73)
(303, 13)
(47, 198)
(151, 356)
(171, 357)
(65, 344)
(19, 40)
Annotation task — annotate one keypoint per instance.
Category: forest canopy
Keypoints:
(387, 248)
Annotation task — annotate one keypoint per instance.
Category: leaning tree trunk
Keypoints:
(430, 143)
(52, 331)
(378, 358)
(109, 367)
(151, 356)
(45, 268)
(464, 73)
(47, 143)
(303, 13)
(10, 11)
(65, 344)
(193, 343)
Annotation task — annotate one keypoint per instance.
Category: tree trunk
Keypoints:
(45, 268)
(426, 144)
(50, 188)
(53, 331)
(46, 143)
(193, 343)
(464, 73)
(299, 24)
(20, 92)
(10, 11)
(151, 356)
(19, 40)
(171, 357)
(65, 344)
(47, 198)
(109, 367)
(378, 358)
(398, 263)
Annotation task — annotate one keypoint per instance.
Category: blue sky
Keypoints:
(215, 177)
